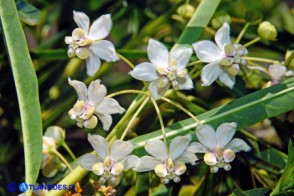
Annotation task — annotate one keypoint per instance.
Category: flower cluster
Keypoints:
(166, 69)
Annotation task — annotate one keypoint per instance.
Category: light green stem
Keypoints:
(242, 33)
(194, 63)
(133, 118)
(261, 60)
(252, 42)
(127, 91)
(69, 151)
(160, 119)
(125, 60)
(182, 108)
(60, 156)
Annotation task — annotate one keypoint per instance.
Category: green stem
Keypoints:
(127, 91)
(69, 151)
(182, 108)
(126, 60)
(252, 42)
(194, 63)
(242, 33)
(160, 119)
(134, 117)
(261, 60)
(129, 112)
(61, 158)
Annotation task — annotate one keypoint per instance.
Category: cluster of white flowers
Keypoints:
(167, 163)
(166, 69)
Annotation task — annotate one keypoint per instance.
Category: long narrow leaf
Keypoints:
(27, 89)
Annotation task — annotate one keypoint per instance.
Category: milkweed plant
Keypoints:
(165, 98)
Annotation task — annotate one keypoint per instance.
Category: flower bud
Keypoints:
(227, 167)
(213, 169)
(220, 18)
(57, 133)
(186, 11)
(289, 59)
(54, 92)
(267, 31)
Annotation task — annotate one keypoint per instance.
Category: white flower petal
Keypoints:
(120, 149)
(106, 120)
(238, 145)
(100, 27)
(225, 133)
(188, 157)
(157, 53)
(182, 56)
(145, 71)
(187, 85)
(80, 88)
(88, 160)
(196, 147)
(222, 36)
(82, 20)
(178, 145)
(227, 79)
(99, 144)
(161, 170)
(109, 106)
(130, 161)
(93, 64)
(207, 51)
(206, 136)
(157, 149)
(105, 50)
(210, 73)
(96, 92)
(156, 92)
(146, 163)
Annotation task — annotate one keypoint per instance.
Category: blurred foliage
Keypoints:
(46, 23)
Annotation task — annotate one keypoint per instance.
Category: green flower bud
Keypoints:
(57, 133)
(219, 19)
(289, 59)
(54, 92)
(267, 31)
(186, 11)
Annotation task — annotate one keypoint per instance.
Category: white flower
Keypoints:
(87, 42)
(91, 104)
(111, 161)
(165, 69)
(168, 164)
(219, 148)
(224, 58)
(277, 72)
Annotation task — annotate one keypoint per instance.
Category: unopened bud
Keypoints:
(57, 133)
(220, 18)
(186, 11)
(289, 59)
(267, 31)
(54, 92)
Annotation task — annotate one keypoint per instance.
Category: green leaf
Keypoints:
(245, 111)
(198, 22)
(28, 13)
(252, 192)
(286, 182)
(26, 87)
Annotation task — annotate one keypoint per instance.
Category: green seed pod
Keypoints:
(186, 11)
(267, 31)
(289, 59)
